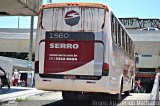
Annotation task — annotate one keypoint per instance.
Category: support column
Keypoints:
(31, 39)
(30, 76)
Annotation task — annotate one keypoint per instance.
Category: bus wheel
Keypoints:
(119, 95)
(1, 86)
(70, 95)
(9, 86)
(127, 93)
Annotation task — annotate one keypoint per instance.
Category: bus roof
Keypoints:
(75, 4)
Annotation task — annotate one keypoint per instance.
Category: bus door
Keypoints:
(72, 53)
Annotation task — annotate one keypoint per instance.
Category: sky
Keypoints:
(121, 8)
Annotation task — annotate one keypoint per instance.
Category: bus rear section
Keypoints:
(71, 48)
(74, 63)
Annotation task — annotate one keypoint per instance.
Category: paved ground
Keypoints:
(5, 90)
(20, 96)
(18, 92)
(55, 99)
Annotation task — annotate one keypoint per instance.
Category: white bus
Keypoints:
(83, 47)
(149, 62)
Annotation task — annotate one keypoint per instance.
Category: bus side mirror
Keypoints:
(137, 59)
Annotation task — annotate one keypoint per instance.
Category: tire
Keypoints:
(1, 86)
(119, 95)
(70, 95)
(9, 86)
(127, 93)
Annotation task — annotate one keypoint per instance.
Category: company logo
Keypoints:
(64, 46)
(72, 18)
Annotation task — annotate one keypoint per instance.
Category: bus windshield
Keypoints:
(82, 18)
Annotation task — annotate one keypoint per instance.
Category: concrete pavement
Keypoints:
(18, 92)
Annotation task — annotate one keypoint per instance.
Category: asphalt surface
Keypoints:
(5, 90)
(51, 98)
(55, 99)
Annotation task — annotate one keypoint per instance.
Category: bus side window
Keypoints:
(123, 40)
(121, 29)
(132, 49)
(116, 32)
(126, 43)
(130, 46)
(113, 28)
(127, 38)
(112, 24)
(129, 49)
(119, 34)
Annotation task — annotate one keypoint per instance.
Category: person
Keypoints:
(4, 72)
(16, 78)
(138, 86)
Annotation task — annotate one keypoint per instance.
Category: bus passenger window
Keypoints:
(127, 43)
(113, 28)
(116, 32)
(119, 35)
(123, 39)
(112, 24)
(129, 46)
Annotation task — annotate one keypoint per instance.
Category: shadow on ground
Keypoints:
(89, 100)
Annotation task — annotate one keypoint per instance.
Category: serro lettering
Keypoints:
(63, 45)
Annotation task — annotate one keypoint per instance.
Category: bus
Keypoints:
(83, 48)
(149, 62)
